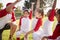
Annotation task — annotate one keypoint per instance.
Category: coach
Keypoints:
(7, 19)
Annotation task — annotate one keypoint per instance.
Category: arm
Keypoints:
(52, 12)
(9, 8)
(37, 5)
(20, 22)
(31, 11)
(13, 17)
(56, 33)
(54, 4)
(29, 33)
(36, 28)
(30, 14)
(1, 13)
(39, 23)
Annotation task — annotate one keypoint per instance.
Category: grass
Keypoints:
(6, 33)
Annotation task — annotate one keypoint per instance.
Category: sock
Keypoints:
(17, 38)
(10, 37)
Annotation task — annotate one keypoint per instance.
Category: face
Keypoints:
(48, 13)
(58, 17)
(38, 15)
(26, 14)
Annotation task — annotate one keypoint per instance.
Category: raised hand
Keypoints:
(32, 3)
(18, 0)
(38, 4)
(54, 4)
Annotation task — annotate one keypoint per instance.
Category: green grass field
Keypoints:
(6, 33)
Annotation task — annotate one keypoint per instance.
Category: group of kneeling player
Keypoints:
(39, 32)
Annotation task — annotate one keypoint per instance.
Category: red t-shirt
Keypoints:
(51, 16)
(56, 32)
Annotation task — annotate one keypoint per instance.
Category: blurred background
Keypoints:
(44, 4)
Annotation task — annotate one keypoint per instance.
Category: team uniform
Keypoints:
(46, 30)
(47, 27)
(56, 33)
(4, 18)
(24, 25)
(36, 24)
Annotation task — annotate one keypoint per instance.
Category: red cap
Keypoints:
(9, 4)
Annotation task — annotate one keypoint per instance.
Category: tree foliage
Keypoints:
(42, 3)
(1, 5)
(27, 4)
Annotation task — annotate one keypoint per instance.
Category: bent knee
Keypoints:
(13, 25)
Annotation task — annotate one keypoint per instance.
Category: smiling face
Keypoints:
(39, 13)
(26, 13)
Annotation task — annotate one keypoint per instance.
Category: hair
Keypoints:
(8, 4)
(51, 10)
(40, 11)
(58, 11)
(26, 11)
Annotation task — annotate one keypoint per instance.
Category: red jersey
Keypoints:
(56, 32)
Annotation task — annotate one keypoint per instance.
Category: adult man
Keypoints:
(6, 15)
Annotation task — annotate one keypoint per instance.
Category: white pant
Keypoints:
(18, 33)
(38, 35)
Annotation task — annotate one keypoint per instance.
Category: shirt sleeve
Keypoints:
(56, 33)
(20, 21)
(39, 23)
(51, 16)
(30, 16)
(3, 13)
(13, 17)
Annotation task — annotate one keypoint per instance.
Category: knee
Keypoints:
(13, 26)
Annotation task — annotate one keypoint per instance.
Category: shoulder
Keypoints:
(21, 17)
(3, 10)
(53, 10)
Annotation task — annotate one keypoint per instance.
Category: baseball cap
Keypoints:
(9, 4)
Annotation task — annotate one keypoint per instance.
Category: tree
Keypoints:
(1, 5)
(43, 3)
(18, 11)
(48, 3)
(27, 4)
